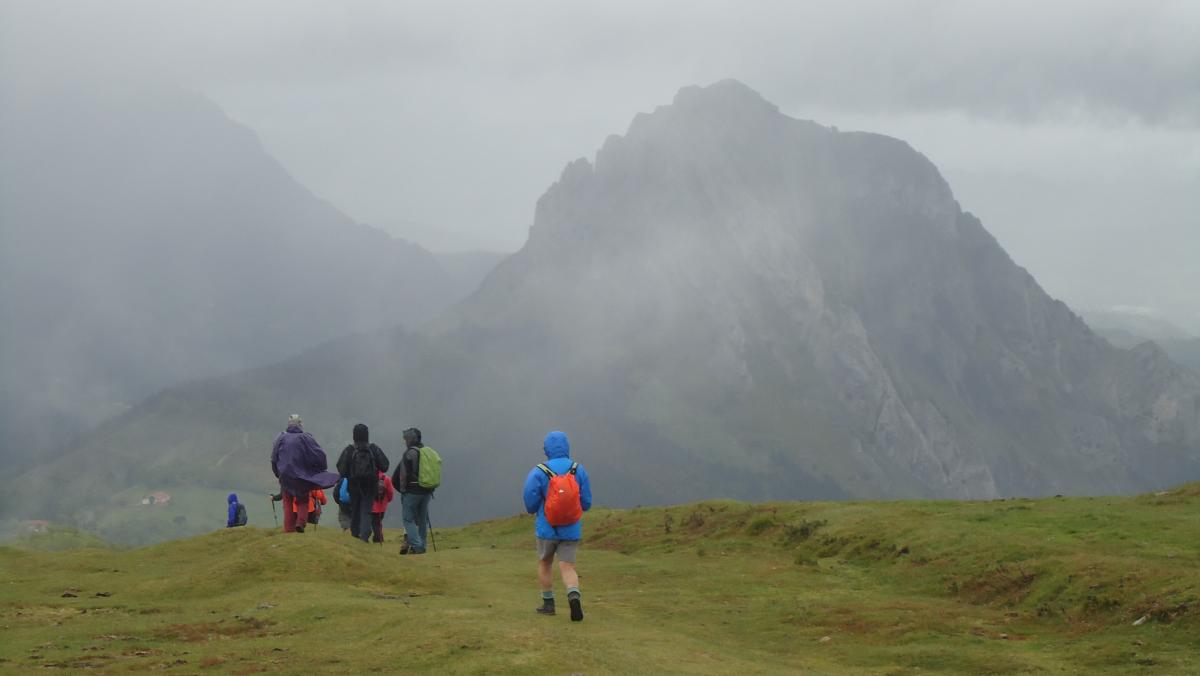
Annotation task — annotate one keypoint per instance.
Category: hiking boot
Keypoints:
(547, 607)
(576, 608)
(299, 529)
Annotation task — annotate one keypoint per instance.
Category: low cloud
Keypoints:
(1023, 60)
(1071, 127)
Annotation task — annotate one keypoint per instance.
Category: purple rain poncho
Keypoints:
(299, 462)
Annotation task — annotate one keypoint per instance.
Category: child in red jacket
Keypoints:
(316, 498)
(386, 491)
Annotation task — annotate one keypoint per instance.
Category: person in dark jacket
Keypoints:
(414, 499)
(233, 520)
(562, 541)
(300, 464)
(361, 462)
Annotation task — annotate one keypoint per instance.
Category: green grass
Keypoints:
(1015, 586)
(191, 511)
(58, 538)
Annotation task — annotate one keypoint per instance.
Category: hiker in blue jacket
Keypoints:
(562, 541)
(237, 513)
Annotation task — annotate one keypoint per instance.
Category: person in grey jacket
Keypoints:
(414, 498)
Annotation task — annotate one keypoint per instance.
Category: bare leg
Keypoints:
(571, 580)
(546, 579)
(569, 576)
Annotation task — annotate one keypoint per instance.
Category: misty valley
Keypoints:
(764, 307)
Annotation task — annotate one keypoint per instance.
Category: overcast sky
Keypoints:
(1071, 128)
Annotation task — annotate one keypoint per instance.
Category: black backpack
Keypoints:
(362, 466)
(239, 516)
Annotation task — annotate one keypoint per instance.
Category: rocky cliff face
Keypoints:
(784, 287)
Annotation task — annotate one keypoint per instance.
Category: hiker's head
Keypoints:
(232, 498)
(556, 445)
(412, 436)
(295, 421)
(362, 435)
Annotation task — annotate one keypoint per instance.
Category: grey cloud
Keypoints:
(445, 121)
(1020, 59)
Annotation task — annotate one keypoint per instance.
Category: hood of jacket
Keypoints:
(556, 445)
(361, 435)
(232, 498)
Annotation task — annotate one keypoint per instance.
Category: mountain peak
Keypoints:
(720, 107)
(724, 96)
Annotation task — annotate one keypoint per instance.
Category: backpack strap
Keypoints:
(549, 472)
(574, 466)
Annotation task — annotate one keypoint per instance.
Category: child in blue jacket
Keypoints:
(237, 512)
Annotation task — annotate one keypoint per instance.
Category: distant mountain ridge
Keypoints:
(1125, 329)
(146, 239)
(469, 268)
(727, 302)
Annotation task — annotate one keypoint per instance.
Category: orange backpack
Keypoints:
(562, 497)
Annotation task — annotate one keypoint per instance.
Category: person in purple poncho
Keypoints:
(300, 464)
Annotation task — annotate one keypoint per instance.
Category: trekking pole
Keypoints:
(274, 514)
(432, 537)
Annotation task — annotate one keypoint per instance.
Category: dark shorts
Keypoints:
(564, 549)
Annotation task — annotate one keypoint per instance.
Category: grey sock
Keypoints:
(572, 593)
(548, 595)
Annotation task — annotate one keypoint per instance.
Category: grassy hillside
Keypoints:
(57, 538)
(1010, 586)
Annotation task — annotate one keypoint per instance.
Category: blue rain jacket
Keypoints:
(233, 503)
(558, 459)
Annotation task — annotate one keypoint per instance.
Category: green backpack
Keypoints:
(429, 469)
